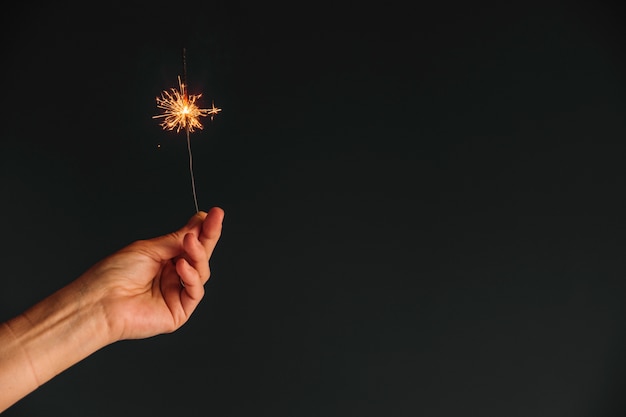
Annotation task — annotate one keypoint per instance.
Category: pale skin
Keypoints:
(150, 287)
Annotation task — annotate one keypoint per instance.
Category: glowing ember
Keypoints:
(180, 111)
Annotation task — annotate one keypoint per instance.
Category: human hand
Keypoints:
(152, 286)
(147, 288)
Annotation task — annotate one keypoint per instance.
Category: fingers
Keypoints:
(196, 257)
(194, 221)
(211, 229)
(207, 226)
(193, 286)
(193, 269)
(183, 299)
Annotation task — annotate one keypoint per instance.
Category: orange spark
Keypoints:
(180, 110)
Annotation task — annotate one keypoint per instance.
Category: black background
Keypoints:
(425, 207)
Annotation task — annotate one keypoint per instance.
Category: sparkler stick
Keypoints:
(186, 98)
(180, 112)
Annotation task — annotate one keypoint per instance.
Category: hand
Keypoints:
(147, 288)
(152, 286)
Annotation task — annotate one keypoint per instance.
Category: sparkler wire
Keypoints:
(186, 98)
(193, 182)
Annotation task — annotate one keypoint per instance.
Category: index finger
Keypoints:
(211, 229)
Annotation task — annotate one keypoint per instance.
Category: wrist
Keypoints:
(62, 330)
(48, 338)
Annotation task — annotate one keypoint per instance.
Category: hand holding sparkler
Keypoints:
(150, 287)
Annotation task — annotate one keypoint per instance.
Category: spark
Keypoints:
(180, 111)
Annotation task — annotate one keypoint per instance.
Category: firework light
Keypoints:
(180, 112)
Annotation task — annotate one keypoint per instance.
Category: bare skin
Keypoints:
(150, 287)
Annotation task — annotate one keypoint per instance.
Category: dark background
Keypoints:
(425, 210)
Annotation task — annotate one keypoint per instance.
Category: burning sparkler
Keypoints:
(180, 112)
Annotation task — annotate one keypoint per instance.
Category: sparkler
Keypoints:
(180, 112)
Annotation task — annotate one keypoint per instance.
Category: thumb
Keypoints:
(170, 245)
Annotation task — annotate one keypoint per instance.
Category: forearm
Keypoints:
(48, 338)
